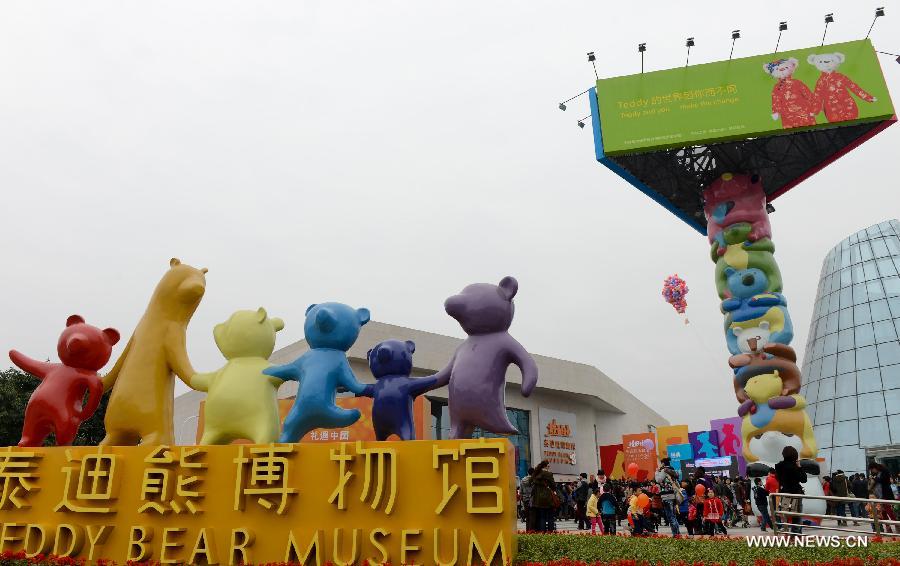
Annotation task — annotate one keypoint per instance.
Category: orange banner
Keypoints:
(640, 449)
(363, 429)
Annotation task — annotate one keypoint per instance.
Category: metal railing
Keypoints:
(875, 520)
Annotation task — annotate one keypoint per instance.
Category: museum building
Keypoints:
(574, 409)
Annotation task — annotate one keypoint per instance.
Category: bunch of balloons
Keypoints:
(675, 292)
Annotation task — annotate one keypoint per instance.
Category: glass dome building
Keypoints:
(851, 367)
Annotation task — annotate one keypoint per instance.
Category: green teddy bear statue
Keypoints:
(241, 401)
(745, 268)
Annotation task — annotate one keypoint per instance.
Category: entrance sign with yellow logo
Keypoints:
(423, 502)
(558, 442)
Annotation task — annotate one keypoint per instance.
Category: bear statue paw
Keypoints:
(809, 466)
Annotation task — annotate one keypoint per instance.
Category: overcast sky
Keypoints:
(385, 154)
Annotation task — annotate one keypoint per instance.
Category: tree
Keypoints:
(16, 388)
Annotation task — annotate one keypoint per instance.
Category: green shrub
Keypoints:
(544, 548)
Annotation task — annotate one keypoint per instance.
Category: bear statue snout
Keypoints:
(454, 306)
(748, 280)
(77, 343)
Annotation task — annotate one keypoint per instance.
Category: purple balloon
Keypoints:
(477, 372)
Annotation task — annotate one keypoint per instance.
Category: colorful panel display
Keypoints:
(612, 460)
(641, 450)
(755, 96)
(668, 435)
(729, 431)
(705, 443)
(679, 452)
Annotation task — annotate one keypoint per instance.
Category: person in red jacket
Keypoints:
(713, 510)
(772, 482)
(792, 100)
(831, 92)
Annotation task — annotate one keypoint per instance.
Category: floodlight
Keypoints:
(690, 42)
(562, 106)
(782, 26)
(642, 47)
(829, 18)
(736, 34)
(591, 56)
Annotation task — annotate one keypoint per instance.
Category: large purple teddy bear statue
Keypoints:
(477, 372)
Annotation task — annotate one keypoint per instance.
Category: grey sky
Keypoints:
(385, 154)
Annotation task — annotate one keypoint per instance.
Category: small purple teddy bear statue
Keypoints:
(476, 373)
(394, 390)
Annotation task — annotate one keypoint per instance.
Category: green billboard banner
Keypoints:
(742, 98)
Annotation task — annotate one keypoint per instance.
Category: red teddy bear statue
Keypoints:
(57, 405)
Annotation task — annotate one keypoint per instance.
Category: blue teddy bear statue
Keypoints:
(331, 329)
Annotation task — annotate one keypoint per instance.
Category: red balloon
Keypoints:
(633, 470)
(700, 490)
(643, 501)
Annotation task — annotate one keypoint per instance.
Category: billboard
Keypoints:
(558, 440)
(724, 467)
(729, 431)
(705, 443)
(755, 96)
(641, 450)
(668, 435)
(612, 460)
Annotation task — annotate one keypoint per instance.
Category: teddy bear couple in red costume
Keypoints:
(796, 105)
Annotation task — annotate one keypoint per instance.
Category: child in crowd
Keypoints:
(593, 512)
(637, 512)
(608, 505)
(713, 509)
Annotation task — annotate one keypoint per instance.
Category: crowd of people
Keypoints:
(702, 504)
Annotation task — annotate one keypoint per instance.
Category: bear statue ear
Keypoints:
(112, 335)
(793, 60)
(729, 271)
(74, 319)
(363, 316)
(261, 315)
(509, 287)
(764, 325)
(766, 69)
(310, 307)
(174, 261)
(369, 354)
(204, 270)
(754, 178)
(410, 346)
(277, 324)
(737, 331)
(839, 56)
(812, 59)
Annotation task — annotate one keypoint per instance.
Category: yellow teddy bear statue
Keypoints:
(241, 402)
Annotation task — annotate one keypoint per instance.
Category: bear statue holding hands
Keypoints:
(331, 329)
(394, 390)
(476, 373)
(241, 402)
